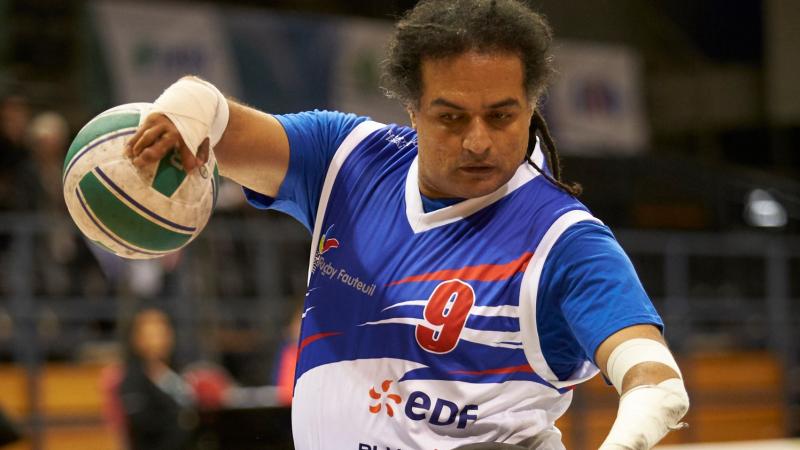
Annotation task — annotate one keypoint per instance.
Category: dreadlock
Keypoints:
(436, 29)
(539, 127)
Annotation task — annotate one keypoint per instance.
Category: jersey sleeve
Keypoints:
(314, 137)
(590, 290)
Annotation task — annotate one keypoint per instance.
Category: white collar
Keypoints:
(421, 221)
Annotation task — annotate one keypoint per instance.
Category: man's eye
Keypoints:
(448, 118)
(500, 116)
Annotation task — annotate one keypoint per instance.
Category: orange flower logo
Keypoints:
(375, 409)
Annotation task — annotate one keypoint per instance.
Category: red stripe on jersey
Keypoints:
(482, 272)
(316, 337)
(524, 368)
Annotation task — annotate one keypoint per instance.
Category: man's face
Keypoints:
(472, 123)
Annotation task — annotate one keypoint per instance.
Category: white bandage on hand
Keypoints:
(637, 351)
(646, 413)
(198, 110)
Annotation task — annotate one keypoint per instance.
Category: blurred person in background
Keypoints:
(458, 290)
(157, 405)
(18, 180)
(17, 176)
(47, 139)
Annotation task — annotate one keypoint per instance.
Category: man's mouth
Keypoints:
(477, 169)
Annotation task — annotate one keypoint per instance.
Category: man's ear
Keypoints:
(412, 115)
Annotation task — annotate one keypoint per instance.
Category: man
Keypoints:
(457, 289)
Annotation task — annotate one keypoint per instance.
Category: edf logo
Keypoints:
(420, 406)
(444, 412)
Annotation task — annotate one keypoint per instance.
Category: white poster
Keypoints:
(356, 82)
(595, 103)
(150, 45)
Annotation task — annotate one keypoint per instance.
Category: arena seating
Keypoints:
(735, 396)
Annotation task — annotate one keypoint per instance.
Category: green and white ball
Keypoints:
(135, 213)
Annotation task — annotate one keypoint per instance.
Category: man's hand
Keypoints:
(653, 398)
(158, 136)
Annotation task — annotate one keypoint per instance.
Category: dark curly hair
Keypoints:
(436, 29)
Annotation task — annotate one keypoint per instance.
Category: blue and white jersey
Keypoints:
(429, 330)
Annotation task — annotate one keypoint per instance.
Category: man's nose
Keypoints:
(476, 137)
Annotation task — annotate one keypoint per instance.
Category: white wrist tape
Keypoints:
(198, 110)
(646, 414)
(637, 351)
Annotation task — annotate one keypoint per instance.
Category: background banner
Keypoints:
(149, 46)
(595, 102)
(362, 46)
(284, 63)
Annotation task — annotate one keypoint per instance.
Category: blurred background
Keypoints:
(681, 118)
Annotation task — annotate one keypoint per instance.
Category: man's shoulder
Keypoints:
(376, 139)
(541, 201)
(390, 135)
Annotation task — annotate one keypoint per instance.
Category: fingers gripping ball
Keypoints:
(134, 213)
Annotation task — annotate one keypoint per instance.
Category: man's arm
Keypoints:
(591, 282)
(253, 149)
(653, 398)
(644, 373)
